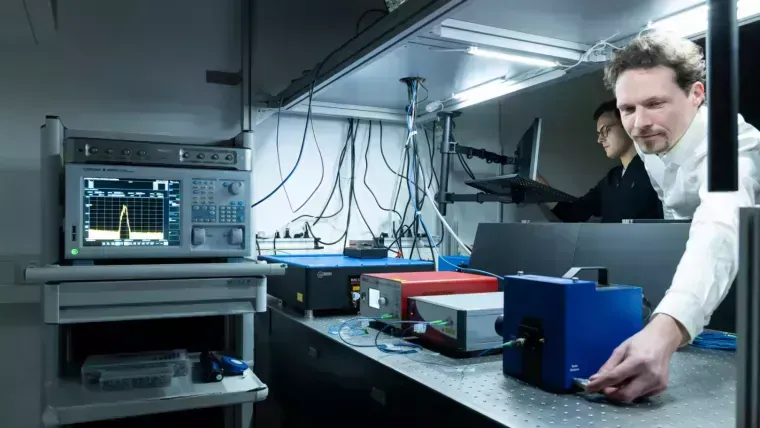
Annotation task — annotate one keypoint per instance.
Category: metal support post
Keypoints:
(445, 162)
(247, 110)
(748, 320)
(723, 96)
(443, 188)
(723, 175)
(51, 170)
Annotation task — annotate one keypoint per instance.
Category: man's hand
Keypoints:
(640, 366)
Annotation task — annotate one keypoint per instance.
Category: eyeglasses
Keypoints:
(605, 130)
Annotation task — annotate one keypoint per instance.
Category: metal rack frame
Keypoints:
(99, 293)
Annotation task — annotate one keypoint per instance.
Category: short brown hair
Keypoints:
(659, 49)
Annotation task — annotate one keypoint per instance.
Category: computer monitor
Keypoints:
(526, 162)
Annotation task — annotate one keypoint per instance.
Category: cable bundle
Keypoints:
(715, 340)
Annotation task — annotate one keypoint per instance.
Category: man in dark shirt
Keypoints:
(626, 191)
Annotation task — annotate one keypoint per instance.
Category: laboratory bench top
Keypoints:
(701, 393)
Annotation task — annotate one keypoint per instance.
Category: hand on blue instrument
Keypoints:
(640, 366)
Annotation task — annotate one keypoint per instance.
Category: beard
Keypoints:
(653, 146)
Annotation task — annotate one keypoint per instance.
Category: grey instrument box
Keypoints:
(470, 318)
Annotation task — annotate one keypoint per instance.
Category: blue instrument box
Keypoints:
(570, 327)
(451, 263)
(330, 282)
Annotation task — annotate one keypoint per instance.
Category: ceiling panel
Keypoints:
(581, 21)
(445, 72)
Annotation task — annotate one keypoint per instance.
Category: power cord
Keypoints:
(300, 151)
(315, 75)
(366, 169)
(279, 163)
(336, 185)
(353, 127)
(365, 14)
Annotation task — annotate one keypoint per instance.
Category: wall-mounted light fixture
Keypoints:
(522, 59)
(692, 22)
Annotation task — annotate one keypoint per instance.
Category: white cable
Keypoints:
(445, 223)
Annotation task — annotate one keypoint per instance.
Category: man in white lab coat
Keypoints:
(659, 82)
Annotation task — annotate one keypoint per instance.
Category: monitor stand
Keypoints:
(520, 189)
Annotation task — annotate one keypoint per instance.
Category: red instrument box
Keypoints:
(387, 293)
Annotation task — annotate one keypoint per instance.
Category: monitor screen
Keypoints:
(526, 164)
(131, 212)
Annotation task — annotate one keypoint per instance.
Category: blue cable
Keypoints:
(715, 340)
(343, 325)
(477, 271)
(414, 348)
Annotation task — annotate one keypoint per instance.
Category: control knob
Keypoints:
(383, 301)
(235, 187)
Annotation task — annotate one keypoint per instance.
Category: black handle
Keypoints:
(603, 279)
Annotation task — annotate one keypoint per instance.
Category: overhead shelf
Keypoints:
(430, 39)
(68, 402)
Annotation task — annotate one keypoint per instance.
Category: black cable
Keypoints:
(431, 149)
(358, 207)
(277, 149)
(417, 167)
(432, 165)
(414, 237)
(315, 76)
(398, 192)
(322, 173)
(366, 168)
(465, 167)
(405, 160)
(382, 153)
(300, 151)
(365, 14)
(427, 95)
(336, 184)
(374, 196)
(350, 140)
(417, 189)
(351, 187)
(274, 244)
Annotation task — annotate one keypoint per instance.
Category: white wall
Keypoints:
(570, 159)
(275, 213)
(478, 127)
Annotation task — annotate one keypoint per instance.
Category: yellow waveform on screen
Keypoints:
(106, 235)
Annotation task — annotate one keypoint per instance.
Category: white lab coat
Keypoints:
(709, 265)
